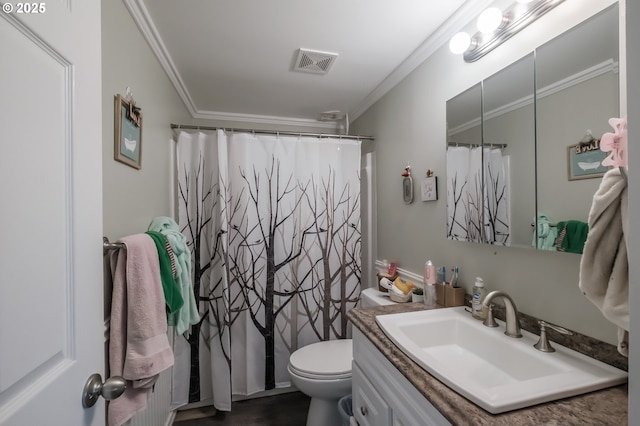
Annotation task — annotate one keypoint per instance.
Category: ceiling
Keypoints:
(233, 60)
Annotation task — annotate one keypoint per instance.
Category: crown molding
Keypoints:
(580, 77)
(145, 24)
(461, 17)
(465, 126)
(141, 17)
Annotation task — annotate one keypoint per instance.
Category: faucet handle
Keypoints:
(489, 321)
(543, 343)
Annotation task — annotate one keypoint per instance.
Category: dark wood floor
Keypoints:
(289, 409)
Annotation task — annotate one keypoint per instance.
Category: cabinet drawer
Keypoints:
(369, 408)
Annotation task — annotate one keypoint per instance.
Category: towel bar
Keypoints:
(107, 245)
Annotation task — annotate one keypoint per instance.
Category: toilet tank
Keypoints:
(372, 297)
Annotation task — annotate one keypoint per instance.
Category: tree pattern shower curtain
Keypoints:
(273, 222)
(478, 208)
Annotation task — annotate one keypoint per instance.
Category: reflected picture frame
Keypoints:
(127, 133)
(585, 163)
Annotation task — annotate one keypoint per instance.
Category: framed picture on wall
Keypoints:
(128, 133)
(430, 188)
(584, 161)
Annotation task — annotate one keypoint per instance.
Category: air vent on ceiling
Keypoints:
(314, 61)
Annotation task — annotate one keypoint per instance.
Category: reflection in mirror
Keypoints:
(464, 166)
(577, 91)
(508, 127)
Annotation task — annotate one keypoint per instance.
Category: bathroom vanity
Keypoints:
(390, 389)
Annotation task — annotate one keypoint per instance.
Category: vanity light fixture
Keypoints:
(490, 20)
(496, 26)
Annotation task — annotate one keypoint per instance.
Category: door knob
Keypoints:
(112, 388)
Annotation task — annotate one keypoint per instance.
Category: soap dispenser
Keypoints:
(478, 297)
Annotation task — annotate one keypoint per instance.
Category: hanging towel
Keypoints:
(138, 345)
(188, 315)
(572, 235)
(604, 266)
(172, 295)
(546, 235)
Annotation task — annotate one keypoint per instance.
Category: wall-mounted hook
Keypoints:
(407, 170)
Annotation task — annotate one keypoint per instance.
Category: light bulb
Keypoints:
(489, 20)
(459, 43)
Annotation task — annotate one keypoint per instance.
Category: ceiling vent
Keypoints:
(314, 62)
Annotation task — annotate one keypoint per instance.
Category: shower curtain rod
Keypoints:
(497, 145)
(271, 132)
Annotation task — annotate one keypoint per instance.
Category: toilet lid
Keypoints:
(329, 359)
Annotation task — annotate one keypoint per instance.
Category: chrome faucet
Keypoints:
(512, 316)
(543, 343)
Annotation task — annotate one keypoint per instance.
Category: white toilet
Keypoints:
(322, 370)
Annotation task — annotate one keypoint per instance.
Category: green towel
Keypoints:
(572, 235)
(172, 296)
(188, 315)
(547, 233)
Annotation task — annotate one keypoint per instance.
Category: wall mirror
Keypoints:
(464, 166)
(513, 177)
(575, 97)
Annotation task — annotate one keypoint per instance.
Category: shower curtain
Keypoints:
(477, 212)
(274, 225)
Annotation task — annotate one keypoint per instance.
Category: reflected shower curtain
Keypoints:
(476, 212)
(496, 197)
(274, 225)
(464, 193)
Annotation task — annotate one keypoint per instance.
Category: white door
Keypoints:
(51, 296)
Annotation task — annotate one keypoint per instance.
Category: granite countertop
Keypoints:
(605, 407)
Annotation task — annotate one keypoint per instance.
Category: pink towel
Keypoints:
(138, 345)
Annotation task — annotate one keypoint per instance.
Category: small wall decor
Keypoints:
(584, 159)
(128, 131)
(429, 187)
(407, 185)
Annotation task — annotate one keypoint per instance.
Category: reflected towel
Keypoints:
(572, 235)
(546, 235)
(604, 266)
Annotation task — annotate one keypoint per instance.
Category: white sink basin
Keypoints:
(497, 372)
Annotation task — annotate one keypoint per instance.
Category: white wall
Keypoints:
(409, 123)
(132, 198)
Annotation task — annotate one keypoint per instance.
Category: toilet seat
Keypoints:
(327, 360)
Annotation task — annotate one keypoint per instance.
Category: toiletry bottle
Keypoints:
(441, 275)
(430, 296)
(478, 297)
(384, 268)
(429, 273)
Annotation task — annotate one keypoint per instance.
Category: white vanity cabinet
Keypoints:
(382, 396)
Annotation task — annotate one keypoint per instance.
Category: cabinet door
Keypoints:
(369, 408)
